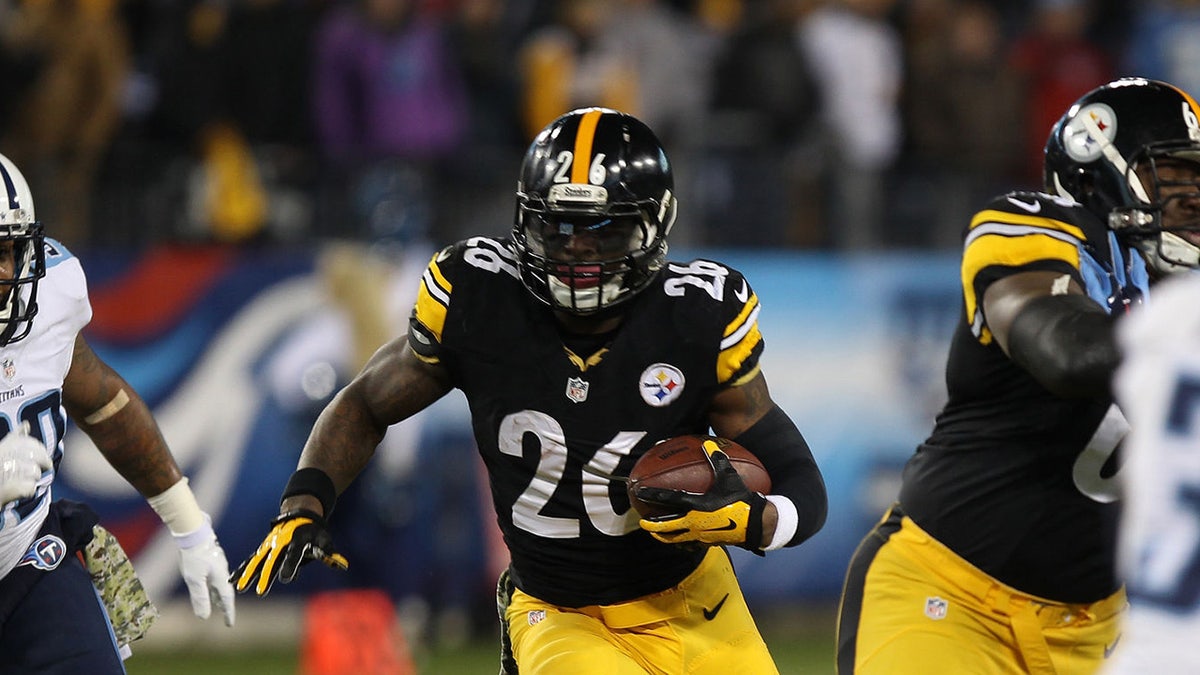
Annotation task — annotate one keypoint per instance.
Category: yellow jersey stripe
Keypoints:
(747, 377)
(741, 337)
(433, 299)
(995, 217)
(994, 248)
(583, 146)
(731, 359)
(739, 324)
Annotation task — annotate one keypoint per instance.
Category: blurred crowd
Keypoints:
(818, 124)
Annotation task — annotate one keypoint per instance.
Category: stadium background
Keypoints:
(242, 258)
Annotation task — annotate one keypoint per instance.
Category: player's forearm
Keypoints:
(132, 443)
(341, 443)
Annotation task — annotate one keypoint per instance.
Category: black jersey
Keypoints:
(1014, 479)
(551, 423)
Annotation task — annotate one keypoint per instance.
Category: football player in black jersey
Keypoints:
(999, 555)
(578, 347)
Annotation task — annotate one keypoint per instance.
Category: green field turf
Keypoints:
(800, 650)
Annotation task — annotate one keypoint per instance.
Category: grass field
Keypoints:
(807, 656)
(802, 644)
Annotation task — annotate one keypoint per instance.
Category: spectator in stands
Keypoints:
(962, 112)
(762, 144)
(1164, 41)
(1058, 63)
(390, 106)
(575, 60)
(61, 128)
(858, 60)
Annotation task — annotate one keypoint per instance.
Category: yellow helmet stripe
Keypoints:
(1187, 97)
(583, 146)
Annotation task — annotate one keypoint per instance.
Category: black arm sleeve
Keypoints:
(776, 441)
(1067, 343)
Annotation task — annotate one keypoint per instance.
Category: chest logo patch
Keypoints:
(935, 608)
(577, 389)
(10, 369)
(661, 384)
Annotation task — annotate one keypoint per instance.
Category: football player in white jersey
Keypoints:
(52, 620)
(1158, 387)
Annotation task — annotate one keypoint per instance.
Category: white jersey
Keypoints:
(1158, 387)
(32, 371)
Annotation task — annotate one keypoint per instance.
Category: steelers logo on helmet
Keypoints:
(1088, 131)
(661, 384)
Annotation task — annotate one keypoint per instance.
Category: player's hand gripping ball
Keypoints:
(700, 489)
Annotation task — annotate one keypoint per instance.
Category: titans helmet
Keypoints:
(18, 224)
(594, 207)
(1096, 149)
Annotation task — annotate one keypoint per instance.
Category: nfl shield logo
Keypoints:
(577, 389)
(536, 616)
(10, 369)
(935, 608)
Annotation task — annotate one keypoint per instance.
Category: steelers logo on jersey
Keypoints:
(661, 384)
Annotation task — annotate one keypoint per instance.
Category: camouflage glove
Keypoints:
(728, 513)
(296, 538)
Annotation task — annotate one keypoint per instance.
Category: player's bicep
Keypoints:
(396, 383)
(735, 409)
(1006, 297)
(90, 384)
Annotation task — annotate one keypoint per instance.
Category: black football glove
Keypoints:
(728, 513)
(296, 538)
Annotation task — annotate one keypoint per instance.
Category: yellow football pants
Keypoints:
(702, 626)
(920, 608)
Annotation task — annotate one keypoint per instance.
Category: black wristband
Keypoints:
(315, 482)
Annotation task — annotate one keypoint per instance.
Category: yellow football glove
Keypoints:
(296, 538)
(728, 513)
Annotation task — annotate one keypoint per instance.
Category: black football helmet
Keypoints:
(18, 224)
(1096, 148)
(595, 203)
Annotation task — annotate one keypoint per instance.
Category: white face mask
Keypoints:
(585, 299)
(1170, 254)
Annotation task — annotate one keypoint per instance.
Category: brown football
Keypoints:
(679, 463)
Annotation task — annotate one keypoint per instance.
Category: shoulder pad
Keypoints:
(1029, 203)
(465, 262)
(707, 293)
